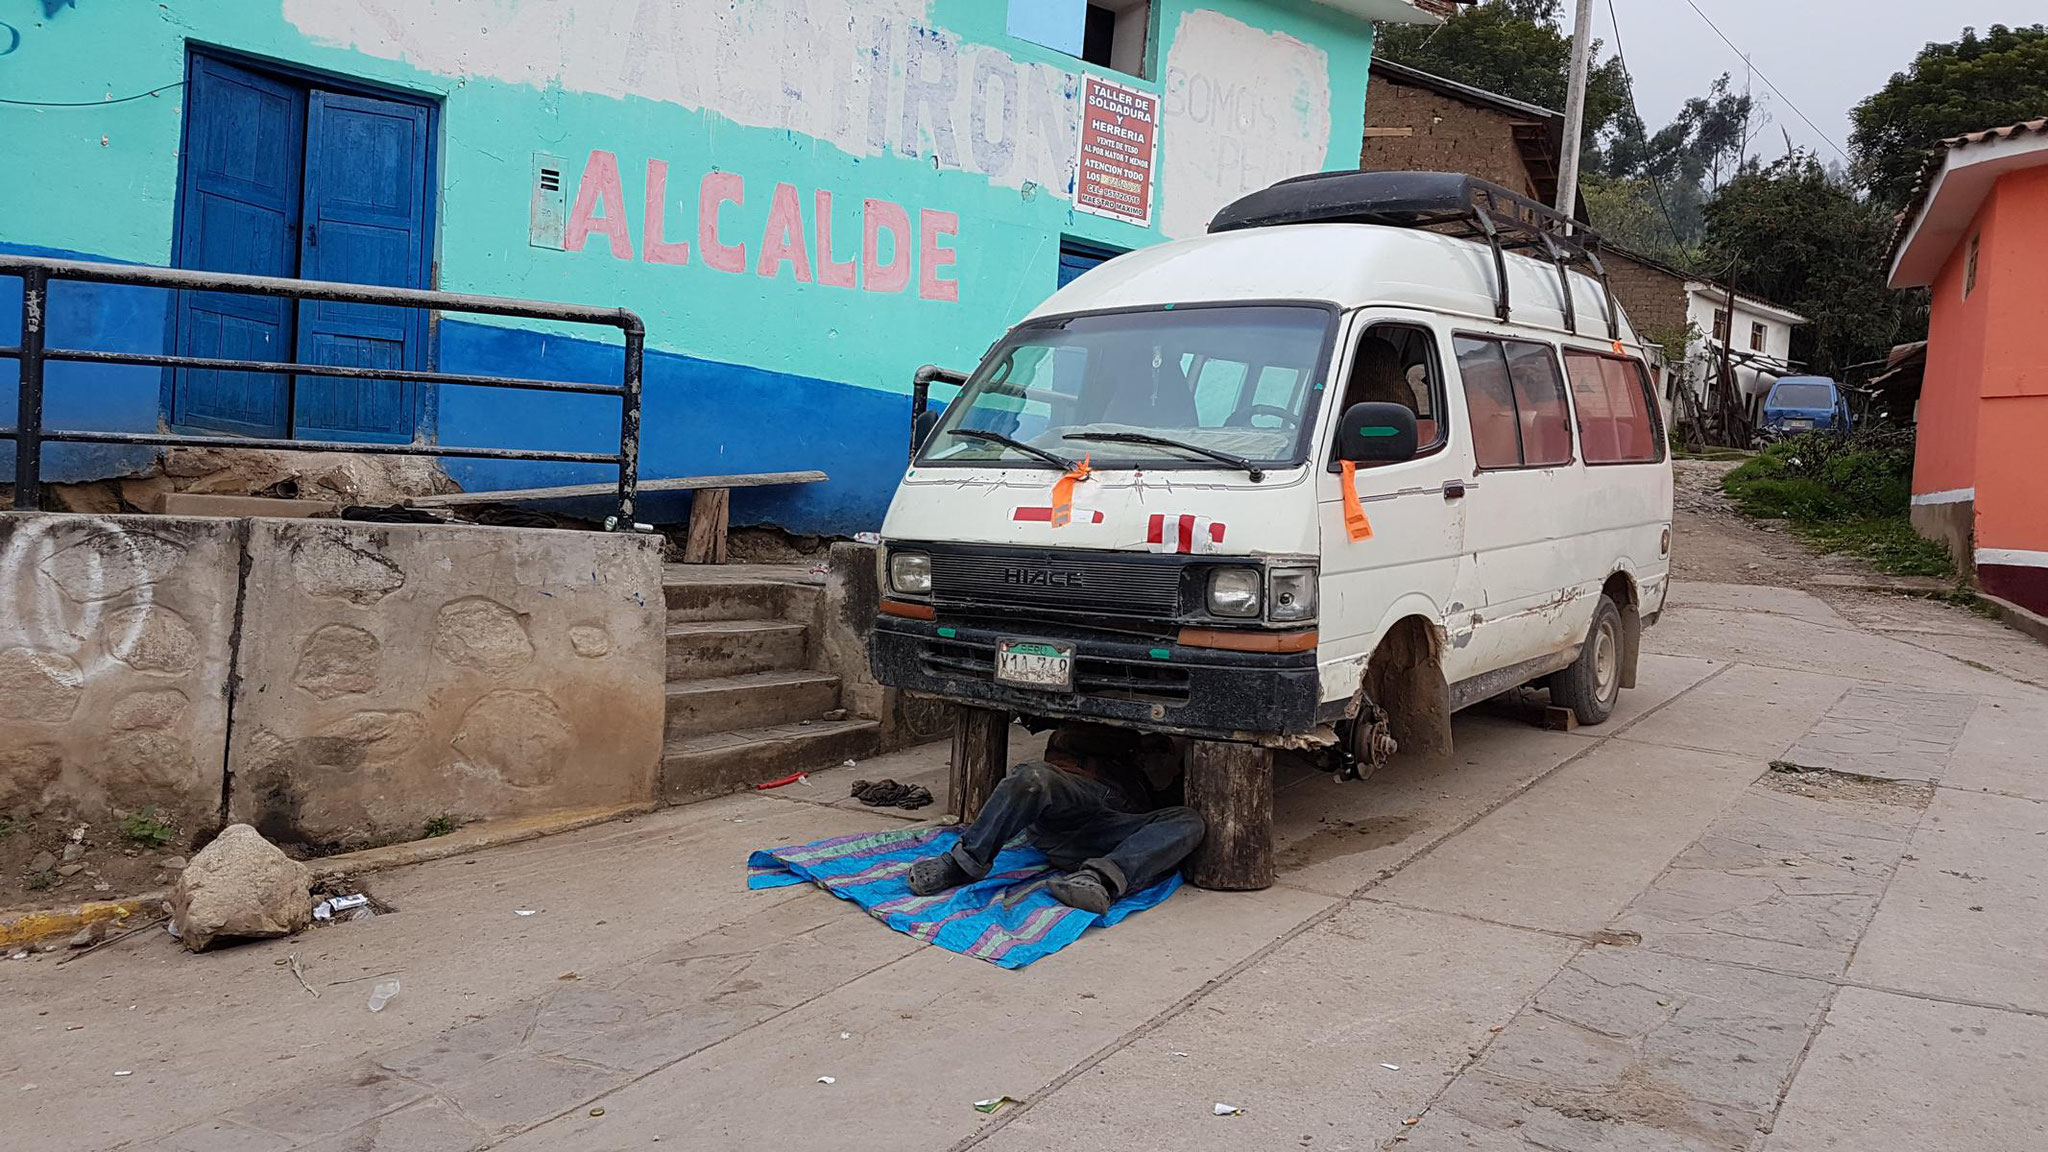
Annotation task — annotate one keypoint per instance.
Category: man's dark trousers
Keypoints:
(1079, 822)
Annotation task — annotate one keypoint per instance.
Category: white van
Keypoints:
(1455, 343)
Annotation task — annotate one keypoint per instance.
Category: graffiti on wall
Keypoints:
(873, 82)
(798, 241)
(10, 38)
(1243, 110)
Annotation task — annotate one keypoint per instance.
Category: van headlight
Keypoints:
(910, 573)
(1291, 594)
(1234, 592)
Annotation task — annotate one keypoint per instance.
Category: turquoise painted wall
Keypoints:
(924, 106)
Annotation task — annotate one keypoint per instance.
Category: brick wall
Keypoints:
(1652, 297)
(1447, 136)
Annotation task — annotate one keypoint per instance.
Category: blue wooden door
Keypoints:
(239, 212)
(365, 223)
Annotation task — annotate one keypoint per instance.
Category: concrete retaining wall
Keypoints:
(115, 639)
(392, 674)
(385, 675)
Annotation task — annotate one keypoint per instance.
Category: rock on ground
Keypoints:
(240, 886)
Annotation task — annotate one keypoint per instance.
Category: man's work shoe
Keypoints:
(934, 874)
(1082, 889)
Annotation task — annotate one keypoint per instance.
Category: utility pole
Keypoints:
(1575, 111)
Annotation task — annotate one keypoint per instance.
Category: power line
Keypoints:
(1628, 77)
(1767, 80)
(91, 103)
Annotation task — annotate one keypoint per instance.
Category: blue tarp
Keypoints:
(1007, 919)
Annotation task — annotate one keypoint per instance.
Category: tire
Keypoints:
(1592, 684)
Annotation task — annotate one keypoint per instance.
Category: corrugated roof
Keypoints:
(1937, 158)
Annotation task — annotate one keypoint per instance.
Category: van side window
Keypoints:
(1396, 364)
(1516, 399)
(1490, 399)
(1618, 421)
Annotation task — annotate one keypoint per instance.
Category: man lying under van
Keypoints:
(1092, 806)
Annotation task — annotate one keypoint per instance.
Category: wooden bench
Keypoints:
(1231, 785)
(710, 508)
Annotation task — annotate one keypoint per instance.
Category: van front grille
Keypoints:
(1103, 583)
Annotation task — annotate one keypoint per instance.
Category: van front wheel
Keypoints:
(1591, 685)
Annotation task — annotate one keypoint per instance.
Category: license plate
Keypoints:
(1799, 423)
(1035, 664)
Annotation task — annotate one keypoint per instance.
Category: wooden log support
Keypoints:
(981, 752)
(1231, 785)
(710, 512)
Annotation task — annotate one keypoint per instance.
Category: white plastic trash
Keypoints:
(382, 994)
(1229, 1110)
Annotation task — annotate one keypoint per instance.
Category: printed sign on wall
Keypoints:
(1119, 132)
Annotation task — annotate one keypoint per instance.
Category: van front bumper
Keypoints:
(1157, 685)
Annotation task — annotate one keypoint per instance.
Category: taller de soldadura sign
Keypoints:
(1119, 138)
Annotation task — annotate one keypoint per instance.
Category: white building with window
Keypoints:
(1762, 335)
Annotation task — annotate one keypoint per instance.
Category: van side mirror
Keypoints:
(1376, 432)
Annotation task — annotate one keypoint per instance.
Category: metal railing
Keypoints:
(34, 353)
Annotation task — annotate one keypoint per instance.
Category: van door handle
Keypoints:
(1454, 489)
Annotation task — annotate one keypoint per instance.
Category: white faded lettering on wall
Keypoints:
(1244, 109)
(873, 81)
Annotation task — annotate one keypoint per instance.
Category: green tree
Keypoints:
(1516, 48)
(1978, 82)
(1796, 237)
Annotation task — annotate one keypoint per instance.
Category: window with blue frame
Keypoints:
(1109, 33)
(1078, 256)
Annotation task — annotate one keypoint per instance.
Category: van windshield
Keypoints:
(1802, 396)
(1238, 380)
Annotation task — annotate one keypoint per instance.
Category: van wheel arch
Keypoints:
(1404, 678)
(1621, 588)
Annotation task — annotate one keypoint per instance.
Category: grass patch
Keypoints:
(147, 829)
(1846, 494)
(1886, 543)
(441, 826)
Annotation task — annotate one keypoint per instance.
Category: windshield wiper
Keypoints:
(1253, 470)
(1012, 442)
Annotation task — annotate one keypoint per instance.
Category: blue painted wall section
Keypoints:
(805, 199)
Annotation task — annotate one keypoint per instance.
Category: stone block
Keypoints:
(395, 673)
(114, 650)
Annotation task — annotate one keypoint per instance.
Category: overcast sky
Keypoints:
(1825, 55)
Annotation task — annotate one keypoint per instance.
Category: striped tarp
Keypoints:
(1007, 919)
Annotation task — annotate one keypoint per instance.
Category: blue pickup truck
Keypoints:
(1805, 403)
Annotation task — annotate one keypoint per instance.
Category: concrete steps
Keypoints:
(754, 700)
(745, 702)
(715, 763)
(716, 648)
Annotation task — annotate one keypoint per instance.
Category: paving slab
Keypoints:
(1746, 710)
(1895, 1072)
(1967, 914)
(927, 1036)
(1754, 599)
(2004, 748)
(1630, 1049)
(1558, 859)
(1806, 643)
(1785, 880)
(1374, 987)
(1886, 732)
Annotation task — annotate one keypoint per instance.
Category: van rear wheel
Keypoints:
(1591, 685)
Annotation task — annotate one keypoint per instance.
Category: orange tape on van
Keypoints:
(1355, 523)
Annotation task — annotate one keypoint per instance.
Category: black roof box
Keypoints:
(1447, 202)
(1398, 199)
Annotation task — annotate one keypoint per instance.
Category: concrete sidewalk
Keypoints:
(1630, 937)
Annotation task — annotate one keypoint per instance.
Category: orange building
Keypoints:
(1977, 234)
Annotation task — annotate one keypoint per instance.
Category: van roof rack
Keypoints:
(1448, 202)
